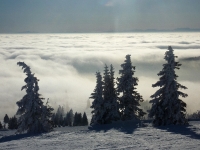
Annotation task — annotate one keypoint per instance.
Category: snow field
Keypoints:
(107, 137)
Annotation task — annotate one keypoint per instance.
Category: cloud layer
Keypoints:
(66, 64)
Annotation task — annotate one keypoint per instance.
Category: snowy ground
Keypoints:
(122, 136)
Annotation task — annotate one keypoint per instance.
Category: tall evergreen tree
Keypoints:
(66, 119)
(167, 108)
(59, 116)
(1, 126)
(110, 105)
(84, 120)
(6, 119)
(31, 108)
(97, 97)
(79, 119)
(75, 123)
(130, 98)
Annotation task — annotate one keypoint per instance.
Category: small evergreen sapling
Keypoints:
(167, 108)
(129, 98)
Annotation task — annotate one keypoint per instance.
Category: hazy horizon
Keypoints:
(67, 16)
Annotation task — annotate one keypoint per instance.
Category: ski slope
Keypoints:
(117, 136)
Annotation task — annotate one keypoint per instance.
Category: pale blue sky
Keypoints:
(97, 15)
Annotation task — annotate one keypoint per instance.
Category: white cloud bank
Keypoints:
(66, 64)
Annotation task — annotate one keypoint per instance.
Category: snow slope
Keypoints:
(121, 136)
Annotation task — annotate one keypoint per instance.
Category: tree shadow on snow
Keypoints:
(186, 130)
(127, 127)
(16, 137)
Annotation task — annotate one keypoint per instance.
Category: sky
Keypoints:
(63, 16)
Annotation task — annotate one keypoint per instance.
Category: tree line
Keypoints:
(123, 102)
(10, 122)
(58, 119)
(62, 119)
(113, 100)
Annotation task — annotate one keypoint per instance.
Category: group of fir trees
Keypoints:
(123, 103)
(194, 115)
(60, 119)
(5, 120)
(80, 120)
(10, 123)
(112, 103)
(13, 124)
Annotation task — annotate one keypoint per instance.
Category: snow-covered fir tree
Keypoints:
(84, 120)
(6, 119)
(167, 107)
(110, 105)
(75, 123)
(97, 97)
(77, 119)
(129, 98)
(33, 113)
(66, 119)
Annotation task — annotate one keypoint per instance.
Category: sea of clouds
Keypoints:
(66, 64)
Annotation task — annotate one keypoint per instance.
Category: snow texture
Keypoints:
(116, 136)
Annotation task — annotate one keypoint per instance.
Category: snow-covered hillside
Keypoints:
(121, 136)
